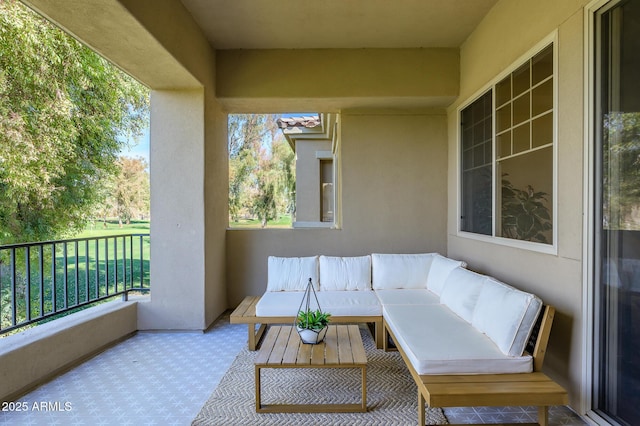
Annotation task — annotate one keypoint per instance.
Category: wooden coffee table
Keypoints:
(282, 348)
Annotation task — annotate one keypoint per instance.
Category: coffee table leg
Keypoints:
(258, 402)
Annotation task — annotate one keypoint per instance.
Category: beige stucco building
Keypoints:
(396, 75)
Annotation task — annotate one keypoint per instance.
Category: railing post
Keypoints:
(97, 284)
(65, 275)
(77, 274)
(27, 289)
(106, 264)
(54, 297)
(13, 287)
(86, 270)
(131, 260)
(115, 264)
(141, 263)
(124, 263)
(41, 272)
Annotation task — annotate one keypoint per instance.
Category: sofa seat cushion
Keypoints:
(337, 303)
(345, 273)
(437, 341)
(400, 270)
(409, 296)
(281, 304)
(350, 303)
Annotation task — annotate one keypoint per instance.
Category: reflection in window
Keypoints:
(621, 186)
(524, 198)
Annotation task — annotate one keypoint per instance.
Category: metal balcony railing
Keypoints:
(45, 280)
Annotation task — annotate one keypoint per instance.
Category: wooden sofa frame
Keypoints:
(245, 313)
(521, 389)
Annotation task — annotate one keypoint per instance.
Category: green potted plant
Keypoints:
(311, 324)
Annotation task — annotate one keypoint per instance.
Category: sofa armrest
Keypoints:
(537, 343)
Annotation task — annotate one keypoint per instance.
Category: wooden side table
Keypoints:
(282, 348)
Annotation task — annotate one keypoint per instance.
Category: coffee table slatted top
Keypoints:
(342, 347)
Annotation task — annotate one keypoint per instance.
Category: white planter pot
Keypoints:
(311, 336)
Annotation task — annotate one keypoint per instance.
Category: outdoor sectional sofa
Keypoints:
(467, 338)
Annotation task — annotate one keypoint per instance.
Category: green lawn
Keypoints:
(281, 222)
(98, 229)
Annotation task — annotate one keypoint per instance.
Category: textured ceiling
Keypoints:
(301, 24)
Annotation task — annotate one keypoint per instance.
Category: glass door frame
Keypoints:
(592, 207)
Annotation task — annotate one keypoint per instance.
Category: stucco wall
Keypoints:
(308, 179)
(328, 80)
(557, 279)
(177, 209)
(216, 187)
(393, 199)
(189, 177)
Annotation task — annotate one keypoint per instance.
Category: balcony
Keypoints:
(398, 85)
(165, 378)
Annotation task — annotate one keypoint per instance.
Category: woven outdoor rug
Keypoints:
(391, 393)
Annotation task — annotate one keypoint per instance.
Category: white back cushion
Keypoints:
(400, 270)
(291, 273)
(345, 273)
(440, 269)
(461, 291)
(506, 315)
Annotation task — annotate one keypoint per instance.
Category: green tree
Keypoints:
(621, 170)
(284, 163)
(264, 204)
(132, 193)
(261, 168)
(246, 132)
(65, 113)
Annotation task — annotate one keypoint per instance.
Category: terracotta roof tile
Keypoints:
(306, 121)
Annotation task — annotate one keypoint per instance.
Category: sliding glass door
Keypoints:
(616, 369)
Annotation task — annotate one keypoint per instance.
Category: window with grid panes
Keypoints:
(509, 193)
(477, 141)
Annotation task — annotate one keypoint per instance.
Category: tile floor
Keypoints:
(165, 378)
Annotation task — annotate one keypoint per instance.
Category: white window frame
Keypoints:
(525, 245)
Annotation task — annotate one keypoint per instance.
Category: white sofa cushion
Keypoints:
(440, 269)
(437, 341)
(282, 304)
(337, 303)
(291, 273)
(345, 273)
(400, 270)
(506, 315)
(461, 292)
(350, 303)
(407, 296)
